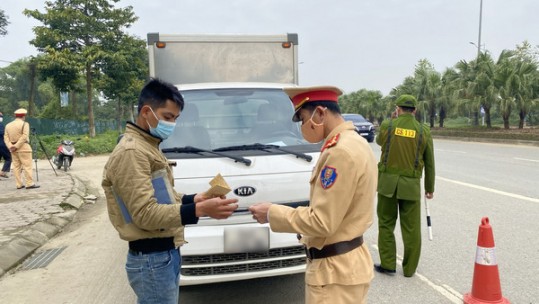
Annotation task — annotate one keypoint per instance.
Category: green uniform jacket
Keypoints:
(407, 148)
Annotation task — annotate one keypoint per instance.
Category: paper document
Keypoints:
(219, 187)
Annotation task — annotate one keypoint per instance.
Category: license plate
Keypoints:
(246, 239)
(364, 133)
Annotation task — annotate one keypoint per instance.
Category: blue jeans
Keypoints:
(155, 277)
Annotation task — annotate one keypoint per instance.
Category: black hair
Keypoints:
(407, 109)
(156, 93)
(330, 105)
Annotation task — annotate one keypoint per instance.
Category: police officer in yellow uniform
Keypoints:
(343, 186)
(407, 148)
(16, 138)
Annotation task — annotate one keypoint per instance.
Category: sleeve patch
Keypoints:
(328, 176)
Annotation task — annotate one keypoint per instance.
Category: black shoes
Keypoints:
(21, 187)
(381, 269)
(34, 186)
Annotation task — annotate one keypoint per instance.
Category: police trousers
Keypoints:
(22, 163)
(336, 294)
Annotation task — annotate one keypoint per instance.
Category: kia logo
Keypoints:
(244, 191)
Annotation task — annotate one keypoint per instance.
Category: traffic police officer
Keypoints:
(406, 149)
(343, 186)
(16, 138)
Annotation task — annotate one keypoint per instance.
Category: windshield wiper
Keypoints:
(190, 149)
(262, 147)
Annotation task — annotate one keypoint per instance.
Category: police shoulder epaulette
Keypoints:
(331, 142)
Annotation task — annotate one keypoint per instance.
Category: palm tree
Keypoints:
(449, 88)
(507, 83)
(428, 87)
(466, 96)
(527, 76)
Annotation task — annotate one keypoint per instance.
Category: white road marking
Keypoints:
(451, 151)
(527, 159)
(513, 195)
(445, 290)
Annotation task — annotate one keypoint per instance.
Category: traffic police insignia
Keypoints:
(328, 177)
(331, 142)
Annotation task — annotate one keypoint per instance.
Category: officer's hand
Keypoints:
(12, 149)
(260, 212)
(216, 207)
(429, 195)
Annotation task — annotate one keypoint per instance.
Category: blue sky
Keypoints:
(371, 44)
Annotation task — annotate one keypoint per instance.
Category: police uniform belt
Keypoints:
(334, 249)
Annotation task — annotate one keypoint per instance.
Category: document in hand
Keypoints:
(219, 187)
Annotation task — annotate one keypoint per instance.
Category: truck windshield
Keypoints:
(215, 119)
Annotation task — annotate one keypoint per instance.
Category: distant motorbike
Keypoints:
(64, 154)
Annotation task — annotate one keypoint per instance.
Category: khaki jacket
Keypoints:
(131, 200)
(17, 134)
(343, 187)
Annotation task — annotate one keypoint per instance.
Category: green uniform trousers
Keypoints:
(388, 210)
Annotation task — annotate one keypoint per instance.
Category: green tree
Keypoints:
(16, 81)
(74, 32)
(449, 93)
(528, 76)
(507, 83)
(3, 23)
(124, 73)
(428, 88)
(466, 98)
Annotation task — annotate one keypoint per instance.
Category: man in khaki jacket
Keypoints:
(141, 201)
(343, 187)
(16, 138)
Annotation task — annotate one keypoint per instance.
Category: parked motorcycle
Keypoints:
(64, 154)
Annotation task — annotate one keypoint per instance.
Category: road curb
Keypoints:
(36, 235)
(490, 140)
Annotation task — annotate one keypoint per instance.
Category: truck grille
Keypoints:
(200, 260)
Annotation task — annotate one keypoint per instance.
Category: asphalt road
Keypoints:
(474, 180)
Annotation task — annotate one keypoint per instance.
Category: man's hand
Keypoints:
(260, 212)
(429, 195)
(12, 149)
(199, 197)
(216, 207)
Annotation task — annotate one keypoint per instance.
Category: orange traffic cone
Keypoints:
(486, 279)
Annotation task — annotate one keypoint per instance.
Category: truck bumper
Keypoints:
(204, 259)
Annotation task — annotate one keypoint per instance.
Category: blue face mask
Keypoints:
(163, 129)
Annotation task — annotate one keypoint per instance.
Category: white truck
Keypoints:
(236, 122)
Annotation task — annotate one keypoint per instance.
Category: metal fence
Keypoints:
(45, 126)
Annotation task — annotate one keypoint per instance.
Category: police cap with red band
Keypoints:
(302, 95)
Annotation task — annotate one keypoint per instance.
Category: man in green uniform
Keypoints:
(406, 149)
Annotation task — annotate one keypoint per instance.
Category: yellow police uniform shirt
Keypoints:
(17, 134)
(343, 188)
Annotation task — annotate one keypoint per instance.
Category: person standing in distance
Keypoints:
(343, 187)
(17, 140)
(407, 149)
(142, 203)
(4, 151)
